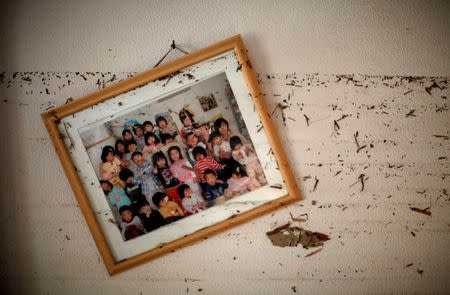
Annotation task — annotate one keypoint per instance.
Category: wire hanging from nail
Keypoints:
(172, 47)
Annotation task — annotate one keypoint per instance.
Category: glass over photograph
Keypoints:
(174, 157)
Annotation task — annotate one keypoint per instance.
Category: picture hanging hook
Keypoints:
(172, 47)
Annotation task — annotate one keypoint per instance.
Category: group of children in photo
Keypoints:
(157, 174)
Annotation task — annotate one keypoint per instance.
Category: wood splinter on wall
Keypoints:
(288, 235)
(423, 211)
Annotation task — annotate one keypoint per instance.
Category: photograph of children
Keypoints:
(174, 158)
(207, 102)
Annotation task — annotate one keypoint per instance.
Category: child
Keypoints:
(247, 157)
(152, 143)
(182, 169)
(193, 141)
(221, 148)
(222, 152)
(165, 127)
(169, 141)
(139, 138)
(132, 231)
(187, 119)
(170, 210)
(120, 148)
(192, 203)
(148, 126)
(222, 126)
(167, 138)
(110, 166)
(121, 152)
(143, 174)
(116, 196)
(131, 147)
(203, 163)
(128, 219)
(189, 125)
(239, 182)
(169, 182)
(151, 219)
(132, 186)
(127, 135)
(215, 190)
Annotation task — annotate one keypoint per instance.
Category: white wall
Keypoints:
(379, 37)
(47, 248)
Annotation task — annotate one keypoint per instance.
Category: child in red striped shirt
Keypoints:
(203, 162)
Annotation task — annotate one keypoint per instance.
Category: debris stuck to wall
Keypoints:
(288, 235)
(423, 211)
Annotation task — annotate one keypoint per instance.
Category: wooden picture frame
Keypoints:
(229, 57)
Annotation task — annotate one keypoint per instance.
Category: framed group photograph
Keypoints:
(174, 154)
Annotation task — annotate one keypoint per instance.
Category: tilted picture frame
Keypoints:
(208, 156)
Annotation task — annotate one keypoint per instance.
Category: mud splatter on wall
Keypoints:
(365, 149)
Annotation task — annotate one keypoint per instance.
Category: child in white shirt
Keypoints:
(192, 203)
(129, 220)
(245, 155)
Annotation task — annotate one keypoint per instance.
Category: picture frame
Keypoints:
(74, 128)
